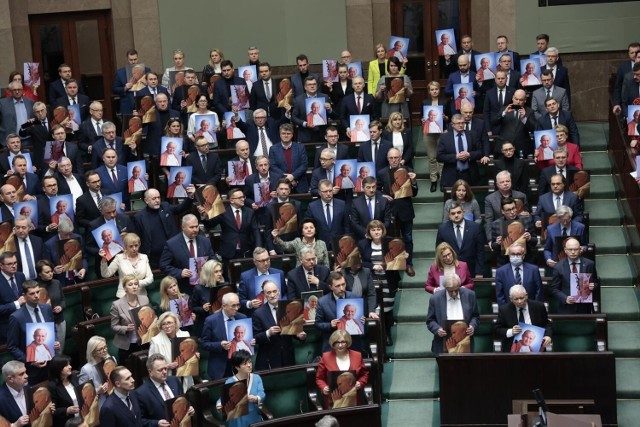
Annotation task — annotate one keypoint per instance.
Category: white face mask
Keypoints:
(515, 260)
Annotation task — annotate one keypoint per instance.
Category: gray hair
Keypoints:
(65, 225)
(227, 297)
(517, 289)
(330, 152)
(306, 250)
(108, 202)
(23, 218)
(505, 173)
(38, 105)
(258, 251)
(187, 218)
(327, 421)
(11, 368)
(259, 110)
(15, 85)
(451, 280)
(563, 211)
(153, 358)
(108, 125)
(553, 49)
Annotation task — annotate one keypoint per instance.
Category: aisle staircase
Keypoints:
(410, 379)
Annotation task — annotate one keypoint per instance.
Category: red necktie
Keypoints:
(238, 220)
(574, 269)
(113, 176)
(192, 250)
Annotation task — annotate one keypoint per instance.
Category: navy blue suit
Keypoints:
(365, 155)
(531, 281)
(544, 182)
(299, 162)
(446, 154)
(325, 313)
(252, 132)
(546, 204)
(213, 333)
(201, 176)
(360, 216)
(339, 219)
(159, 89)
(9, 409)
(297, 83)
(175, 256)
(246, 290)
(114, 412)
(299, 117)
(258, 98)
(124, 153)
(222, 95)
(564, 118)
(37, 247)
(82, 100)
(472, 250)
(126, 96)
(275, 351)
(318, 175)
(247, 237)
(269, 225)
(33, 187)
(492, 106)
(121, 186)
(51, 253)
(57, 90)
(8, 297)
(555, 230)
(151, 402)
(348, 107)
(297, 281)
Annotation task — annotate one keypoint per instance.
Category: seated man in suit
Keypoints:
(214, 336)
(457, 303)
(459, 152)
(31, 312)
(518, 272)
(177, 251)
(110, 140)
(288, 159)
(512, 227)
(554, 117)
(368, 206)
(339, 151)
(563, 288)
(13, 407)
(465, 237)
(158, 388)
(246, 289)
(376, 149)
(329, 213)
(30, 182)
(308, 276)
(325, 171)
(121, 407)
(565, 227)
(549, 202)
(518, 310)
(240, 234)
(560, 157)
(206, 167)
(274, 350)
(548, 90)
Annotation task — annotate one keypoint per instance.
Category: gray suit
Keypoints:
(540, 95)
(8, 120)
(437, 315)
(121, 318)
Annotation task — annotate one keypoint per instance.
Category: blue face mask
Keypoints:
(515, 260)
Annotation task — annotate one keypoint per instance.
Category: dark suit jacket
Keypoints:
(8, 118)
(360, 216)
(446, 154)
(623, 70)
(6, 213)
(555, 230)
(629, 92)
(269, 225)
(221, 93)
(51, 251)
(472, 251)
(364, 153)
(339, 219)
(492, 107)
(297, 281)
(519, 170)
(152, 240)
(258, 98)
(248, 236)
(213, 333)
(562, 78)
(437, 315)
(124, 153)
(159, 89)
(512, 129)
(508, 318)
(86, 208)
(544, 182)
(82, 100)
(57, 90)
(246, 290)
(44, 217)
(275, 351)
(151, 402)
(107, 182)
(325, 313)
(342, 152)
(154, 131)
(38, 136)
(456, 78)
(175, 256)
(252, 132)
(407, 145)
(531, 280)
(561, 283)
(126, 96)
(87, 135)
(564, 118)
(201, 176)
(368, 288)
(9, 409)
(37, 247)
(349, 107)
(297, 83)
(60, 397)
(299, 117)
(318, 175)
(114, 412)
(33, 187)
(124, 224)
(7, 302)
(299, 162)
(17, 329)
(337, 94)
(546, 204)
(401, 209)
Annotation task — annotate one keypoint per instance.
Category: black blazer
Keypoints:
(201, 176)
(38, 135)
(492, 107)
(564, 118)
(252, 132)
(258, 98)
(561, 283)
(348, 107)
(86, 208)
(87, 134)
(473, 239)
(544, 182)
(83, 101)
(297, 281)
(248, 235)
(275, 351)
(519, 170)
(508, 318)
(337, 94)
(514, 130)
(152, 240)
(401, 209)
(63, 187)
(364, 153)
(57, 90)
(446, 154)
(360, 213)
(60, 397)
(407, 146)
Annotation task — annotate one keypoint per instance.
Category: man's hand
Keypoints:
(186, 273)
(617, 109)
(274, 330)
(516, 329)
(470, 330)
(546, 341)
(551, 263)
(225, 344)
(571, 300)
(256, 303)
(441, 332)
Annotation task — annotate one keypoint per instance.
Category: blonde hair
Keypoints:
(392, 117)
(164, 285)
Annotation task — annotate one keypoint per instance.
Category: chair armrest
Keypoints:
(265, 412)
(312, 390)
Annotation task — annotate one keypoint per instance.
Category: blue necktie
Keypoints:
(329, 216)
(371, 208)
(461, 165)
(27, 254)
(12, 282)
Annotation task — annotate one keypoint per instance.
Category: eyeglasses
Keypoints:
(339, 342)
(101, 349)
(10, 264)
(263, 260)
(259, 117)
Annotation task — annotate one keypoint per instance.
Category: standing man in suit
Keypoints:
(513, 77)
(8, 197)
(29, 249)
(11, 297)
(246, 290)
(631, 86)
(547, 91)
(243, 154)
(72, 96)
(297, 80)
(262, 133)
(153, 87)
(214, 336)
(465, 237)
(46, 228)
(14, 147)
(308, 276)
(359, 102)
(156, 390)
(13, 405)
(308, 132)
(518, 310)
(516, 121)
(31, 312)
(240, 234)
(461, 76)
(57, 88)
(177, 251)
(154, 131)
(518, 272)
(456, 303)
(263, 93)
(14, 111)
(554, 117)
(466, 49)
(559, 72)
(30, 180)
(113, 175)
(110, 140)
(289, 160)
(479, 130)
(376, 149)
(549, 202)
(121, 407)
(504, 234)
(37, 130)
(561, 284)
(91, 128)
(206, 168)
(458, 156)
(329, 213)
(340, 151)
(70, 151)
(287, 225)
(123, 87)
(156, 223)
(88, 205)
(502, 44)
(274, 350)
(222, 87)
(495, 99)
(624, 69)
(565, 227)
(368, 206)
(261, 176)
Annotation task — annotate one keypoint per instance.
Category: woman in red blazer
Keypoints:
(340, 359)
(447, 263)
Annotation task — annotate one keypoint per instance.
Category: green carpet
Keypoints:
(627, 378)
(615, 270)
(411, 341)
(603, 212)
(410, 413)
(623, 340)
(411, 379)
(620, 303)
